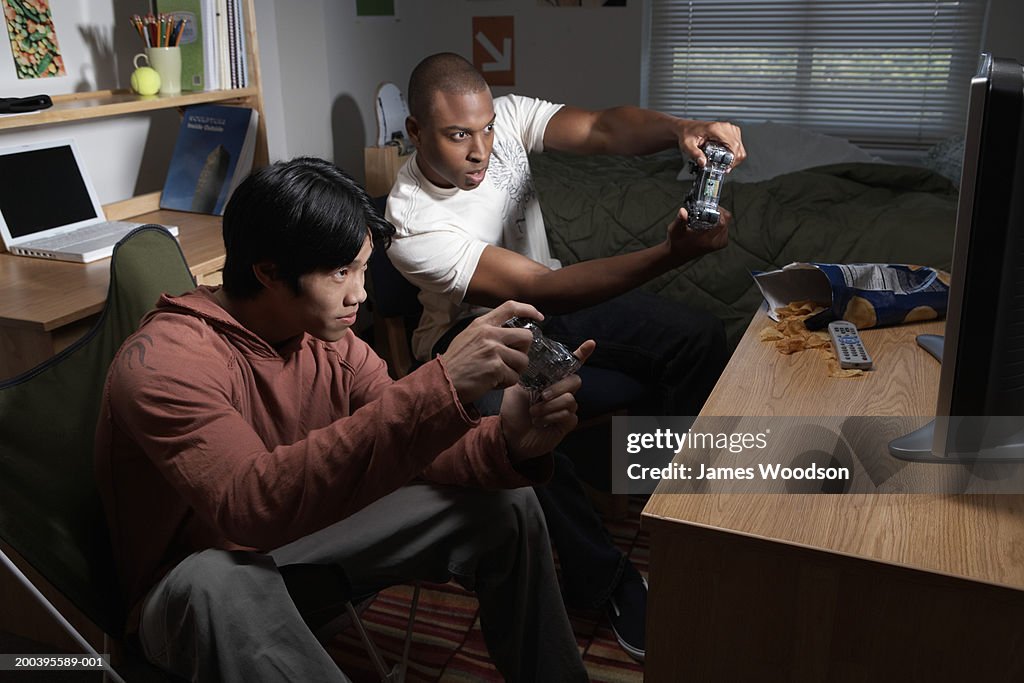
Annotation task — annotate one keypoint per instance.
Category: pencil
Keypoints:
(176, 35)
(137, 23)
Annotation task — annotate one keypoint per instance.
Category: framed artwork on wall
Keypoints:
(33, 38)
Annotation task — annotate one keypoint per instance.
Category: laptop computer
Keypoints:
(49, 208)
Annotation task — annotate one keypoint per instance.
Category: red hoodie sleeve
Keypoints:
(177, 405)
(480, 458)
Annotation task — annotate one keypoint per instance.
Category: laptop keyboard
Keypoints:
(116, 229)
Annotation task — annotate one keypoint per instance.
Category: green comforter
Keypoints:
(847, 213)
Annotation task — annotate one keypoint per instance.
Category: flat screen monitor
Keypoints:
(980, 411)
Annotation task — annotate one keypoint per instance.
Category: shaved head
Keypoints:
(444, 72)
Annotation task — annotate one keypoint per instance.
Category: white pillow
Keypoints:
(775, 148)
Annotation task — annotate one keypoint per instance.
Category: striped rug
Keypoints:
(447, 642)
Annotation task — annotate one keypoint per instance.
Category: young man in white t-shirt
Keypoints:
(470, 235)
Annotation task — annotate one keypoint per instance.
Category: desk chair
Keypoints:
(51, 516)
(396, 311)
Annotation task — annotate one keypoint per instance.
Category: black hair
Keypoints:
(443, 72)
(303, 215)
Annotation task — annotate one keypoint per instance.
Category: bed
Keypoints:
(848, 212)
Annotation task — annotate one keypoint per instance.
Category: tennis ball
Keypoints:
(145, 80)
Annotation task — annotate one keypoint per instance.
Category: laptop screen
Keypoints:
(42, 189)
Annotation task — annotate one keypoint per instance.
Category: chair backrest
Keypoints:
(50, 510)
(396, 309)
(393, 295)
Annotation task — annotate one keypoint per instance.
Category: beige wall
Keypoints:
(332, 61)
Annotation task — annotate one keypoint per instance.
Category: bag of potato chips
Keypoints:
(865, 294)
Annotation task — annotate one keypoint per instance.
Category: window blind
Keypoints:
(881, 74)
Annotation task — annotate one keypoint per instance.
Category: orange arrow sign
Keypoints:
(493, 53)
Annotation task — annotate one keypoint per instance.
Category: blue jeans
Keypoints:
(677, 354)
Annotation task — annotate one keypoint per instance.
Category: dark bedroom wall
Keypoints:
(1005, 30)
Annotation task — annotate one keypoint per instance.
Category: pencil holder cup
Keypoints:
(167, 62)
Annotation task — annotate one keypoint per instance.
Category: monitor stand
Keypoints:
(932, 343)
(917, 445)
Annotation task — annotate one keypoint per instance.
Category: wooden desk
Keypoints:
(45, 305)
(834, 587)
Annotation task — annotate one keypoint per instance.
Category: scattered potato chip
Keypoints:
(796, 327)
(818, 340)
(790, 335)
(790, 345)
(801, 309)
(835, 371)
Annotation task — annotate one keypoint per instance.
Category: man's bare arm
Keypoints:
(502, 274)
(631, 130)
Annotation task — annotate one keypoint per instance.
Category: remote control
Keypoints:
(849, 347)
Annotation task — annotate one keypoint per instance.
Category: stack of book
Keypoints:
(213, 44)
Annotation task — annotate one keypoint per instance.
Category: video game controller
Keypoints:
(701, 203)
(550, 360)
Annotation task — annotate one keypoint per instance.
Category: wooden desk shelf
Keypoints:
(106, 103)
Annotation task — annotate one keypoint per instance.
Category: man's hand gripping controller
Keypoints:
(550, 360)
(701, 203)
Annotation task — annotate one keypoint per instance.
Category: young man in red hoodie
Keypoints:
(245, 430)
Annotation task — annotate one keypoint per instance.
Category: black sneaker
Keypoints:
(627, 612)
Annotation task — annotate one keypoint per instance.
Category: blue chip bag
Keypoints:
(865, 294)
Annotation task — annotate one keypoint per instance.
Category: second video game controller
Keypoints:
(701, 203)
